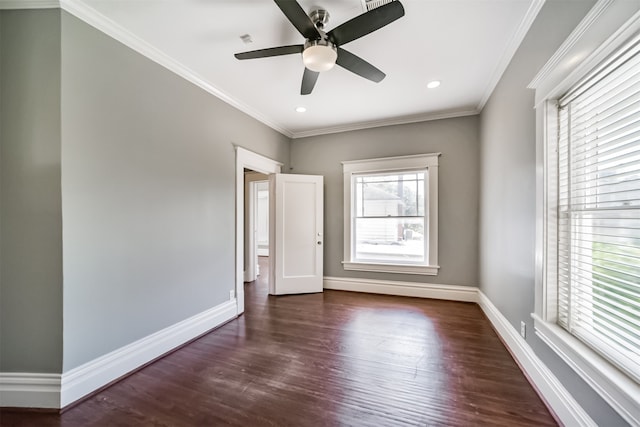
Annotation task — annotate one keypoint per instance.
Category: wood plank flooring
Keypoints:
(330, 359)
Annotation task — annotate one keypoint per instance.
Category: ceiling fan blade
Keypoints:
(272, 51)
(366, 23)
(297, 16)
(309, 79)
(359, 66)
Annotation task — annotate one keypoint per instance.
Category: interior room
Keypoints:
(213, 213)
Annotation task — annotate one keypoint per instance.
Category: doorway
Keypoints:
(246, 160)
(256, 222)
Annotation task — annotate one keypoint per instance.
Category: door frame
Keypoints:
(246, 159)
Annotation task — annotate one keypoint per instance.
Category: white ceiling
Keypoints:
(464, 43)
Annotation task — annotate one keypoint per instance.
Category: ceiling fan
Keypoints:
(322, 50)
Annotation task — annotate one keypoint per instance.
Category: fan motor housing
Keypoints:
(320, 17)
(319, 54)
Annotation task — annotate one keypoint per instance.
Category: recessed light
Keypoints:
(434, 84)
(301, 109)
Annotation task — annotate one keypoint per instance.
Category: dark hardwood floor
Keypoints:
(330, 359)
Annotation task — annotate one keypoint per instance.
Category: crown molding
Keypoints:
(512, 48)
(29, 4)
(100, 22)
(95, 19)
(380, 123)
(576, 35)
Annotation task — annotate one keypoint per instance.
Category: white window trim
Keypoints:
(390, 164)
(603, 31)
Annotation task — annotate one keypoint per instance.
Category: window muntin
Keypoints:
(598, 263)
(389, 222)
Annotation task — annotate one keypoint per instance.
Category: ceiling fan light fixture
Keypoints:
(319, 55)
(320, 50)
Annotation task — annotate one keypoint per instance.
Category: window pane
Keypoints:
(390, 239)
(399, 194)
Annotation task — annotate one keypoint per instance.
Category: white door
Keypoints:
(296, 234)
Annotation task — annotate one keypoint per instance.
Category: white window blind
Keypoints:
(599, 210)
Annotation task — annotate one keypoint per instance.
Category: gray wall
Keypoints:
(148, 189)
(139, 166)
(456, 139)
(30, 212)
(508, 188)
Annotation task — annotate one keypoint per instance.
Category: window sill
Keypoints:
(620, 391)
(425, 270)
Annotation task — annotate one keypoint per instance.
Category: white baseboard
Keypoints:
(26, 390)
(565, 407)
(407, 289)
(89, 377)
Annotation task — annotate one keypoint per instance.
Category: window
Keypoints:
(391, 214)
(587, 306)
(599, 212)
(598, 262)
(389, 220)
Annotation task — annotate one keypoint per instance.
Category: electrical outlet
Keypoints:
(232, 294)
(523, 329)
